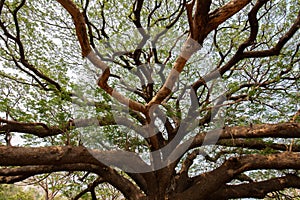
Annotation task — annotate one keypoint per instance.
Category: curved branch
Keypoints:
(65, 158)
(108, 174)
(277, 48)
(87, 51)
(207, 183)
(220, 15)
(201, 25)
(240, 54)
(79, 25)
(257, 189)
(23, 60)
(90, 188)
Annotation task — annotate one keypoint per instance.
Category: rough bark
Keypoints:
(206, 184)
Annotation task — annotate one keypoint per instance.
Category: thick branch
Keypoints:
(256, 189)
(189, 48)
(42, 130)
(200, 20)
(22, 156)
(202, 24)
(79, 22)
(11, 175)
(257, 144)
(207, 183)
(75, 157)
(283, 130)
(220, 15)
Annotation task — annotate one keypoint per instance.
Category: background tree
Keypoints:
(160, 99)
(12, 192)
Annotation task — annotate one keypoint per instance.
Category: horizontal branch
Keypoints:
(206, 184)
(258, 144)
(282, 130)
(219, 137)
(36, 160)
(11, 175)
(257, 189)
(24, 156)
(43, 130)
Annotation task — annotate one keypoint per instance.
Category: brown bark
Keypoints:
(38, 160)
(79, 22)
(201, 25)
(284, 130)
(206, 184)
(81, 32)
(220, 15)
(240, 54)
(257, 144)
(32, 161)
(256, 189)
(43, 130)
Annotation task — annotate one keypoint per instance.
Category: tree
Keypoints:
(12, 192)
(160, 99)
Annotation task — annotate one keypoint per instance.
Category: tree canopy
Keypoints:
(151, 99)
